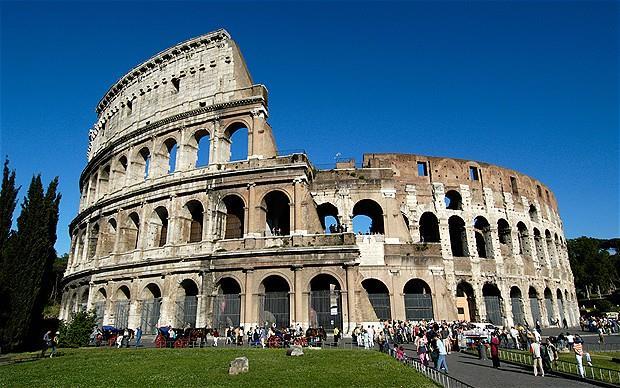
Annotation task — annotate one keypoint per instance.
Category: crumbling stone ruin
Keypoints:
(168, 235)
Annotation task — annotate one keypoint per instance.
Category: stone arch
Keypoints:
(236, 132)
(168, 154)
(199, 144)
(104, 180)
(560, 304)
(550, 247)
(122, 298)
(505, 237)
(83, 306)
(534, 304)
(108, 237)
(524, 240)
(516, 302)
(482, 231)
(192, 221)
(372, 210)
(466, 300)
(540, 250)
(458, 237)
(418, 300)
(151, 307)
(493, 303)
(549, 305)
(131, 232)
(379, 297)
(187, 303)
(99, 301)
(328, 212)
(141, 164)
(453, 200)
(233, 216)
(274, 306)
(533, 213)
(158, 227)
(227, 303)
(429, 228)
(325, 300)
(275, 210)
(93, 239)
(119, 171)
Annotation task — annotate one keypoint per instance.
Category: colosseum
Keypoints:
(174, 229)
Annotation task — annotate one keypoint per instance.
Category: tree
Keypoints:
(28, 258)
(77, 332)
(592, 264)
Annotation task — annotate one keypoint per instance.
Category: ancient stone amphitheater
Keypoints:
(175, 229)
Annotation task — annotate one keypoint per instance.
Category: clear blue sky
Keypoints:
(528, 85)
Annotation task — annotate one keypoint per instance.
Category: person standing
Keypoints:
(495, 350)
(441, 360)
(55, 341)
(47, 342)
(537, 358)
(336, 336)
(138, 336)
(578, 350)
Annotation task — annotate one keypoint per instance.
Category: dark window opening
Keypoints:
(422, 169)
(453, 200)
(474, 173)
(458, 236)
(372, 211)
(176, 84)
(513, 185)
(429, 228)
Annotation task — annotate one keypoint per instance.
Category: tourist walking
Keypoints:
(47, 342)
(441, 360)
(138, 336)
(578, 350)
(537, 358)
(495, 350)
(55, 341)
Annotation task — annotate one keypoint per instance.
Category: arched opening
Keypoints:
(325, 302)
(227, 304)
(549, 306)
(516, 301)
(379, 297)
(275, 302)
(418, 300)
(534, 304)
(108, 237)
(458, 236)
(202, 142)
(92, 189)
(121, 310)
(142, 164)
(368, 217)
(453, 200)
(120, 172)
(193, 220)
(99, 305)
(550, 248)
(466, 302)
(187, 303)
(558, 249)
(104, 181)
(328, 215)
(158, 227)
(131, 232)
(533, 213)
(524, 240)
(151, 307)
(169, 150)
(234, 217)
(235, 142)
(492, 301)
(540, 253)
(83, 301)
(504, 234)
(429, 228)
(276, 209)
(560, 301)
(482, 231)
(93, 239)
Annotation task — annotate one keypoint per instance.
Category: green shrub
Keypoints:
(77, 331)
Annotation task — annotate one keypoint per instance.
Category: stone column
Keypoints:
(297, 276)
(350, 272)
(249, 307)
(297, 196)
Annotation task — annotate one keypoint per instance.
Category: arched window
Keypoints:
(325, 302)
(453, 200)
(328, 215)
(550, 247)
(540, 253)
(516, 302)
(227, 304)
(560, 303)
(104, 181)
(235, 214)
(504, 234)
(534, 304)
(235, 142)
(158, 227)
(142, 163)
(202, 142)
(492, 302)
(187, 303)
(276, 210)
(466, 302)
(458, 236)
(92, 189)
(549, 306)
(170, 152)
(368, 217)
(429, 228)
(92, 241)
(533, 213)
(418, 300)
(108, 238)
(274, 302)
(151, 307)
(131, 232)
(194, 214)
(379, 297)
(524, 240)
(482, 231)
(83, 301)
(120, 172)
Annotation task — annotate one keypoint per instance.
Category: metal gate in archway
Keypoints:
(561, 309)
(517, 310)
(326, 309)
(418, 307)
(535, 307)
(150, 315)
(381, 305)
(186, 311)
(121, 316)
(99, 312)
(275, 308)
(494, 311)
(550, 313)
(226, 310)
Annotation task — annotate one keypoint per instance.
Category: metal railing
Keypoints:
(590, 372)
(435, 375)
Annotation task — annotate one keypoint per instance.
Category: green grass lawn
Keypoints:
(599, 359)
(209, 367)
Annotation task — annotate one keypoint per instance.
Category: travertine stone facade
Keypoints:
(168, 235)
